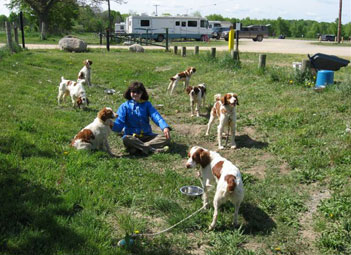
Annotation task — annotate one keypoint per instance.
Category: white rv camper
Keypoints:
(154, 27)
(120, 28)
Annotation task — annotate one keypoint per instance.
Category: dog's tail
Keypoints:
(231, 182)
(217, 97)
(62, 79)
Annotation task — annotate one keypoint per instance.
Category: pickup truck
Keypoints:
(255, 32)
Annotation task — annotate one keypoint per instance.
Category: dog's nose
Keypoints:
(188, 165)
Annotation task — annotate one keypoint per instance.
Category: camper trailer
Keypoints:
(154, 27)
(120, 28)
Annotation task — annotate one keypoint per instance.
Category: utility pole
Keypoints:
(156, 8)
(339, 24)
(109, 15)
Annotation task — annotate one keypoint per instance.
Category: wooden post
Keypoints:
(15, 31)
(22, 28)
(167, 49)
(196, 50)
(108, 39)
(183, 51)
(235, 55)
(8, 35)
(175, 49)
(262, 61)
(213, 52)
(306, 65)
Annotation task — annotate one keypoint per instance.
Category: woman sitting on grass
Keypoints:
(133, 118)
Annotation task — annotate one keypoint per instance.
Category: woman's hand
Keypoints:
(167, 133)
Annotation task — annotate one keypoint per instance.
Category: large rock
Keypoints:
(136, 48)
(72, 44)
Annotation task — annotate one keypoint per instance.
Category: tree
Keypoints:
(215, 17)
(3, 18)
(41, 8)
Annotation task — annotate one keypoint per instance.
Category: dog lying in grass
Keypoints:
(94, 136)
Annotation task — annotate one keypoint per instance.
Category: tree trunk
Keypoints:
(43, 25)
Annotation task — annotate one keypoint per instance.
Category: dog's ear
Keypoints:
(88, 102)
(224, 99)
(90, 62)
(236, 97)
(79, 101)
(188, 89)
(205, 158)
(194, 69)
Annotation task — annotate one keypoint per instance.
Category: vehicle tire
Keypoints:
(218, 36)
(254, 39)
(259, 38)
(203, 38)
(226, 38)
(160, 38)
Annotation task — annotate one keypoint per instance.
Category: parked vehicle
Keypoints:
(218, 32)
(154, 27)
(120, 28)
(328, 38)
(255, 32)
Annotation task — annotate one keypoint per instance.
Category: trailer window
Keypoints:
(192, 23)
(203, 23)
(183, 23)
(145, 23)
(177, 23)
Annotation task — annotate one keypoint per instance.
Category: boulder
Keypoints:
(136, 48)
(72, 44)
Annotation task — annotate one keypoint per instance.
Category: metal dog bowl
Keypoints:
(110, 91)
(191, 190)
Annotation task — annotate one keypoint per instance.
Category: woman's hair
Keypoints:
(136, 86)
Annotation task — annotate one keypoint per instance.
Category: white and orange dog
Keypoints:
(75, 90)
(227, 176)
(224, 109)
(85, 72)
(94, 136)
(197, 96)
(183, 76)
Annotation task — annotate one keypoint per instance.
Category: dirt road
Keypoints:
(247, 45)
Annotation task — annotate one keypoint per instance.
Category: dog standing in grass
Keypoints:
(75, 90)
(183, 76)
(197, 96)
(213, 167)
(85, 72)
(224, 109)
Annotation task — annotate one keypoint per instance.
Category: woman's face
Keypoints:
(136, 95)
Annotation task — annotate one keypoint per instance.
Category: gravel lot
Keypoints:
(247, 45)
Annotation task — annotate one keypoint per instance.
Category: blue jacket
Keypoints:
(133, 117)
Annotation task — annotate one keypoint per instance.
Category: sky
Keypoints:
(318, 10)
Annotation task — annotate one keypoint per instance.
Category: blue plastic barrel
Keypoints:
(324, 77)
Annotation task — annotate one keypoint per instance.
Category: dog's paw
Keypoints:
(211, 227)
(233, 147)
(207, 134)
(220, 147)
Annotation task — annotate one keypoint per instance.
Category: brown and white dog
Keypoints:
(94, 136)
(183, 76)
(85, 72)
(197, 96)
(224, 109)
(227, 176)
(75, 90)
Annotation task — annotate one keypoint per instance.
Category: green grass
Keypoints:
(56, 200)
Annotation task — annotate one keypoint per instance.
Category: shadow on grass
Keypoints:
(29, 218)
(256, 220)
(245, 141)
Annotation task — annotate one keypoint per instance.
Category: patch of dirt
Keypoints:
(308, 236)
(162, 68)
(190, 130)
(253, 246)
